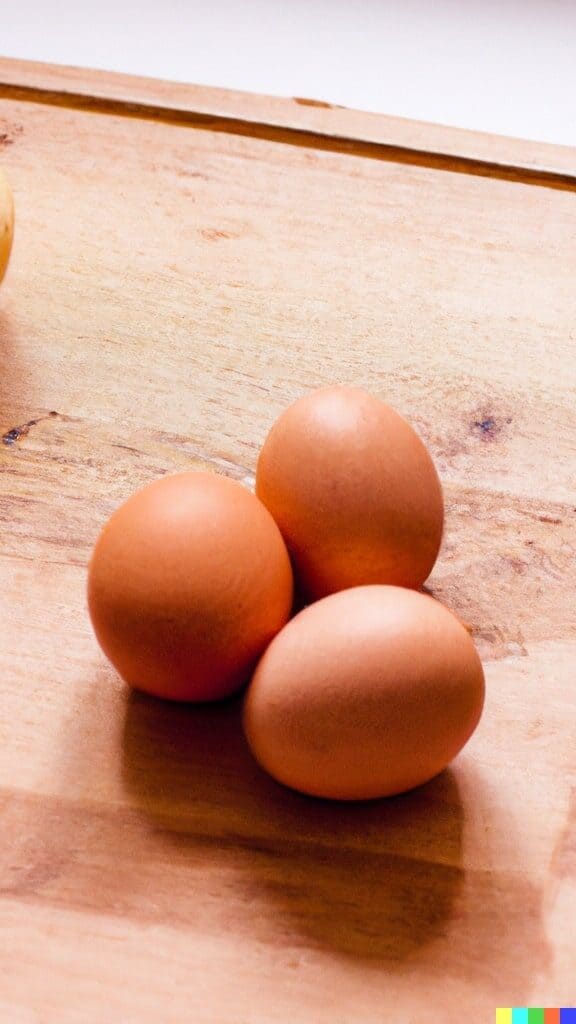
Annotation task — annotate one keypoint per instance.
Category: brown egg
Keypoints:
(6, 224)
(367, 693)
(188, 583)
(354, 492)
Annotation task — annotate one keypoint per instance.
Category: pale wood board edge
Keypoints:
(292, 114)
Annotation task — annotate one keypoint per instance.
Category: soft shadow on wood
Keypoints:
(383, 882)
(376, 880)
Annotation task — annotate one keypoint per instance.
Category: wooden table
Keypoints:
(187, 262)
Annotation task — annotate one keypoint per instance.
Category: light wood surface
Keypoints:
(303, 121)
(171, 289)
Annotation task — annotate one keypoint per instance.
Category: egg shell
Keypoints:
(367, 693)
(189, 581)
(6, 224)
(354, 492)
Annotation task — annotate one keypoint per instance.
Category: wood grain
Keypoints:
(293, 114)
(171, 290)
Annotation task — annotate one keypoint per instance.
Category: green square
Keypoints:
(535, 1015)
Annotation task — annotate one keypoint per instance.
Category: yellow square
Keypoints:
(504, 1015)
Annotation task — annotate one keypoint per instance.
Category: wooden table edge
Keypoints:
(294, 121)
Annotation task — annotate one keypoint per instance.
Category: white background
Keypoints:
(506, 66)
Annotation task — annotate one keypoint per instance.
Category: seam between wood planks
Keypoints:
(299, 137)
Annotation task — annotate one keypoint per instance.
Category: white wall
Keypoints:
(505, 66)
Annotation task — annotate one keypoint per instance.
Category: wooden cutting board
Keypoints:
(187, 262)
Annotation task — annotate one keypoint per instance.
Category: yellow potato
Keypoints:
(6, 223)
